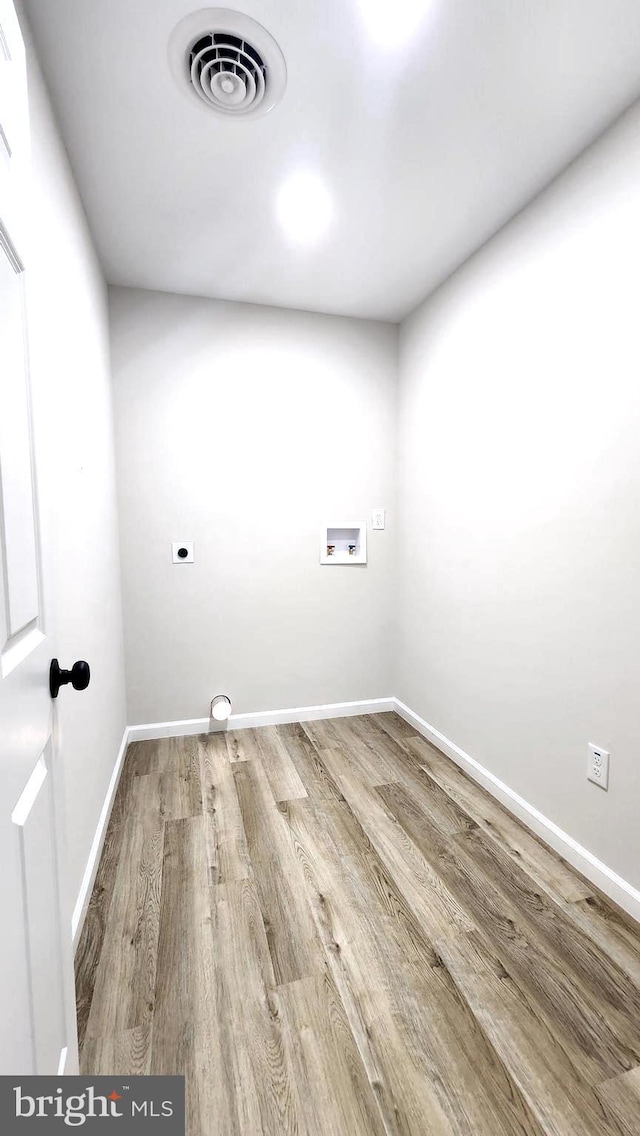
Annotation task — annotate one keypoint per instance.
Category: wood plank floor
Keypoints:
(332, 931)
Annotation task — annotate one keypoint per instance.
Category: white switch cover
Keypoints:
(378, 519)
(598, 766)
(182, 552)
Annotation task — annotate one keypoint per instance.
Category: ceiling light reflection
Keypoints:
(393, 26)
(304, 208)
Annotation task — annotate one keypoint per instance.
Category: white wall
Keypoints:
(69, 355)
(243, 428)
(519, 443)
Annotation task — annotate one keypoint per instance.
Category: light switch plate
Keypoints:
(182, 552)
(378, 519)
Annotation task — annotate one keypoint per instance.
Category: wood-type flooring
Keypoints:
(330, 930)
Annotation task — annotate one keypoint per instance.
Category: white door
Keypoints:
(37, 1033)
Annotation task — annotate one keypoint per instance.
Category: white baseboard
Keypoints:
(260, 718)
(608, 881)
(90, 872)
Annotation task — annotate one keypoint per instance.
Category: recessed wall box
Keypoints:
(343, 542)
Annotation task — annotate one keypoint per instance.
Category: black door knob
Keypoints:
(79, 676)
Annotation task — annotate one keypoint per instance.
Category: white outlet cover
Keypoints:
(378, 519)
(598, 765)
(182, 552)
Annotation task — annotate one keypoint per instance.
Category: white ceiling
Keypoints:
(426, 147)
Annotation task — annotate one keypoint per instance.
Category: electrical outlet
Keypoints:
(598, 766)
(182, 552)
(378, 519)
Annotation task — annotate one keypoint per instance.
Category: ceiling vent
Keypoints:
(228, 63)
